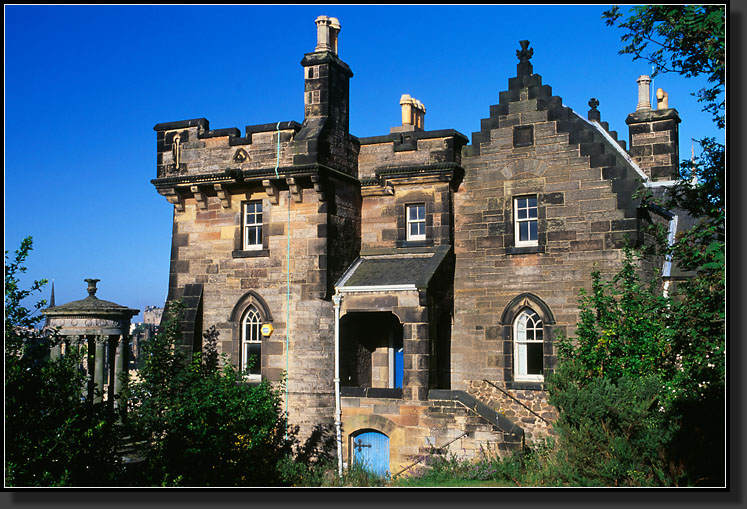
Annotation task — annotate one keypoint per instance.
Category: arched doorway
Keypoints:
(371, 350)
(371, 451)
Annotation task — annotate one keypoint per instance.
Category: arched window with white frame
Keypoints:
(251, 344)
(528, 347)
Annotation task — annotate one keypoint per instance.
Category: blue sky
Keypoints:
(84, 86)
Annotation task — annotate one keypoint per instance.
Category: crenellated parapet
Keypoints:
(190, 147)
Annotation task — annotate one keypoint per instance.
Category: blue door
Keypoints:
(371, 450)
(398, 367)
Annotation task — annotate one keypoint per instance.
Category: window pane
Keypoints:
(253, 353)
(420, 228)
(521, 203)
(521, 213)
(521, 359)
(421, 211)
(532, 212)
(523, 231)
(533, 201)
(533, 230)
(413, 212)
(534, 358)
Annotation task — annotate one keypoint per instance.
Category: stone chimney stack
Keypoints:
(326, 89)
(654, 134)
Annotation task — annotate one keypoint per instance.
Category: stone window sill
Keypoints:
(254, 253)
(525, 386)
(525, 250)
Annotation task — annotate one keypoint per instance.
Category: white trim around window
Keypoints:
(252, 225)
(528, 347)
(415, 213)
(525, 221)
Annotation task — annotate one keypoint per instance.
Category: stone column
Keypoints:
(99, 372)
(120, 367)
(644, 92)
(55, 352)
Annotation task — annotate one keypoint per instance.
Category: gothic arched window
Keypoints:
(251, 343)
(528, 347)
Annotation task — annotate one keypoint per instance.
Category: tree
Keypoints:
(198, 423)
(690, 40)
(612, 386)
(686, 39)
(52, 437)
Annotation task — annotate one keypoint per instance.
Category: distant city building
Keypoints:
(153, 315)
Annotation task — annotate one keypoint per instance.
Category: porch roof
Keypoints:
(397, 269)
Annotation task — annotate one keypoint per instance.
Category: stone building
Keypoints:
(415, 282)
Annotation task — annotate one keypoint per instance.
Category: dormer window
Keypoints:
(416, 221)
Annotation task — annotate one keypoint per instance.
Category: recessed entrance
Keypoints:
(371, 350)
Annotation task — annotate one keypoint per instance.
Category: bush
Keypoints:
(201, 425)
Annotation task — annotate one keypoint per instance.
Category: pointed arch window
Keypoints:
(528, 347)
(251, 343)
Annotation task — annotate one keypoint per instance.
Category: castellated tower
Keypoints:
(264, 222)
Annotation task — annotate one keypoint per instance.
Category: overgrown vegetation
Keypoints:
(53, 437)
(197, 423)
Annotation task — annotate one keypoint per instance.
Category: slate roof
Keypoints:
(414, 268)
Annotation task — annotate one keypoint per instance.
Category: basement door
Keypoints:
(371, 450)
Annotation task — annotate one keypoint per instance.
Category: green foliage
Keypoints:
(52, 436)
(686, 39)
(199, 424)
(640, 389)
(622, 328)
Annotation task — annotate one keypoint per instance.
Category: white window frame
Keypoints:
(251, 334)
(416, 221)
(528, 219)
(253, 227)
(526, 326)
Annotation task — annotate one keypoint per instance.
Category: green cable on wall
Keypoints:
(287, 292)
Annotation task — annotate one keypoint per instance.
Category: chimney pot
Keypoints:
(644, 103)
(662, 99)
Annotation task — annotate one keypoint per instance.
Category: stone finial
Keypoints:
(662, 99)
(644, 103)
(524, 68)
(327, 30)
(92, 286)
(525, 53)
(593, 112)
